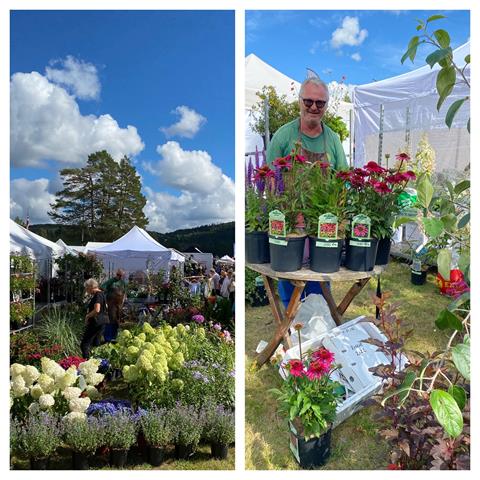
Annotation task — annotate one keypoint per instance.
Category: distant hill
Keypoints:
(217, 239)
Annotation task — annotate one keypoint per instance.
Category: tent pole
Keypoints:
(350, 143)
(407, 129)
(267, 123)
(380, 135)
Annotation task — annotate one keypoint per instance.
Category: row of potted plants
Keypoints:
(352, 210)
(116, 429)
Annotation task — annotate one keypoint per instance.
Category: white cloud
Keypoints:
(46, 124)
(206, 194)
(356, 56)
(32, 197)
(188, 125)
(327, 71)
(78, 77)
(313, 49)
(349, 33)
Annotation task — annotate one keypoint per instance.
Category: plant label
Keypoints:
(327, 227)
(277, 228)
(361, 226)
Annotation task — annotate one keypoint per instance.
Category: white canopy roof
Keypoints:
(66, 248)
(25, 242)
(415, 90)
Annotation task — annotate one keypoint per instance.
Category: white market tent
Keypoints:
(66, 248)
(43, 251)
(228, 260)
(409, 101)
(137, 251)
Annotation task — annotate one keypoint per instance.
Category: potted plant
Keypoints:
(38, 439)
(120, 434)
(219, 431)
(186, 426)
(285, 219)
(157, 433)
(309, 397)
(256, 220)
(84, 436)
(324, 199)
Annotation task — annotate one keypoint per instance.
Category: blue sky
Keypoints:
(364, 47)
(155, 85)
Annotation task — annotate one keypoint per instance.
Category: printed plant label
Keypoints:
(327, 226)
(321, 244)
(361, 226)
(276, 224)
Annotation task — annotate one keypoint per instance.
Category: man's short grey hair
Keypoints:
(91, 283)
(315, 81)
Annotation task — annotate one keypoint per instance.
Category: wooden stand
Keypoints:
(299, 279)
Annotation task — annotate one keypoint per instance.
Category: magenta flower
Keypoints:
(360, 172)
(324, 355)
(382, 188)
(217, 327)
(317, 369)
(198, 319)
(263, 172)
(296, 368)
(300, 159)
(283, 162)
(403, 157)
(374, 167)
(360, 230)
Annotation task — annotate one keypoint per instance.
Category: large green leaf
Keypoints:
(412, 49)
(437, 56)
(462, 186)
(461, 359)
(464, 221)
(447, 412)
(435, 17)
(407, 383)
(444, 262)
(458, 302)
(459, 394)
(449, 221)
(452, 111)
(467, 59)
(447, 319)
(402, 220)
(433, 227)
(443, 38)
(446, 79)
(424, 191)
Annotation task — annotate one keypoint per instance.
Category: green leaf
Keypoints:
(459, 394)
(433, 227)
(464, 262)
(467, 59)
(446, 319)
(446, 79)
(463, 221)
(468, 125)
(447, 412)
(412, 49)
(424, 191)
(449, 221)
(437, 56)
(419, 27)
(402, 220)
(444, 262)
(462, 186)
(452, 111)
(306, 406)
(443, 38)
(435, 17)
(407, 383)
(458, 302)
(461, 359)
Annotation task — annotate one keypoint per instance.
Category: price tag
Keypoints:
(327, 226)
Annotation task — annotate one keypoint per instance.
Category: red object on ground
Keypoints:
(453, 287)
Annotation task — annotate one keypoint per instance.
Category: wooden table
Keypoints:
(299, 279)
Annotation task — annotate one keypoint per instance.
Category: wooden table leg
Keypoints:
(356, 288)
(327, 295)
(282, 329)
(274, 302)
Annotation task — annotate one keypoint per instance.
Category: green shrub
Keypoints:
(84, 435)
(219, 426)
(186, 425)
(156, 428)
(40, 436)
(120, 430)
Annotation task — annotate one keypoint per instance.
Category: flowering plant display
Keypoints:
(186, 424)
(84, 435)
(120, 430)
(67, 362)
(156, 428)
(308, 395)
(65, 392)
(373, 191)
(219, 425)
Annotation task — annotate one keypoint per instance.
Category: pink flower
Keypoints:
(394, 179)
(300, 159)
(374, 167)
(360, 172)
(317, 369)
(217, 327)
(382, 188)
(263, 172)
(323, 354)
(360, 230)
(198, 318)
(344, 175)
(403, 157)
(408, 175)
(296, 368)
(283, 162)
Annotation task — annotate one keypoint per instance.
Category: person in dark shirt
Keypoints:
(114, 289)
(94, 328)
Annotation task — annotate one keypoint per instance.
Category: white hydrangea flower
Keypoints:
(89, 367)
(46, 382)
(30, 374)
(72, 392)
(75, 416)
(94, 378)
(18, 387)
(51, 368)
(46, 400)
(92, 393)
(66, 380)
(16, 369)
(36, 391)
(34, 408)
(79, 404)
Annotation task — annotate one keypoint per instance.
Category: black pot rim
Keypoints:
(289, 239)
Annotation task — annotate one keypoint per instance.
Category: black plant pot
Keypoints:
(256, 247)
(155, 456)
(219, 451)
(286, 258)
(418, 278)
(260, 299)
(184, 452)
(39, 463)
(311, 453)
(80, 461)
(325, 255)
(383, 251)
(118, 458)
(361, 254)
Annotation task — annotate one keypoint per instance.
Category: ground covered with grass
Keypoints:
(356, 444)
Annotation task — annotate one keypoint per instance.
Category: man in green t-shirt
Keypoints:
(319, 142)
(115, 292)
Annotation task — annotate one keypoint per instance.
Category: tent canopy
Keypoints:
(410, 103)
(66, 248)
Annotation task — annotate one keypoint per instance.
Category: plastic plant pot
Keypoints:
(361, 254)
(383, 251)
(156, 456)
(80, 461)
(325, 254)
(219, 451)
(256, 247)
(39, 463)
(183, 452)
(418, 278)
(286, 253)
(311, 453)
(118, 458)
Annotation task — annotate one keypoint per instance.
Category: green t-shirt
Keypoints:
(114, 284)
(283, 142)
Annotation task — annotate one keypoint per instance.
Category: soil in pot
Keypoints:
(184, 452)
(256, 247)
(361, 254)
(418, 278)
(312, 453)
(383, 251)
(325, 254)
(156, 456)
(80, 461)
(286, 253)
(39, 463)
(219, 451)
(118, 458)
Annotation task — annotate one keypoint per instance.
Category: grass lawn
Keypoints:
(356, 445)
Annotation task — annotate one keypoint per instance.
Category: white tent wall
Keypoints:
(410, 105)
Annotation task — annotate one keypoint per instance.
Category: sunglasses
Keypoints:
(308, 102)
